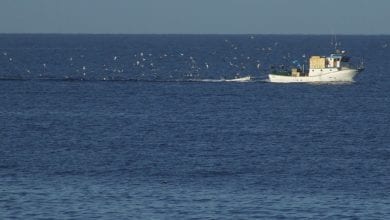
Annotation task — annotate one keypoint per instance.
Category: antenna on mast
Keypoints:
(334, 42)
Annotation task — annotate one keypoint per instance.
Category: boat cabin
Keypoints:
(322, 64)
(333, 61)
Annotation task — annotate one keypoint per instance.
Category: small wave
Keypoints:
(240, 79)
(207, 80)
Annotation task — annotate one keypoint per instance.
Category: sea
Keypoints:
(150, 127)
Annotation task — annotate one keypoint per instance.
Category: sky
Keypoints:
(196, 16)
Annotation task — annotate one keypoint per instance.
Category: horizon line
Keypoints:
(243, 34)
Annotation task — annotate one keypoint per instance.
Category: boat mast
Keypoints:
(334, 42)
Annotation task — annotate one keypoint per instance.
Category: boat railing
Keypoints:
(359, 66)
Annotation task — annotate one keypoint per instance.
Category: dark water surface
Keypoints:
(90, 129)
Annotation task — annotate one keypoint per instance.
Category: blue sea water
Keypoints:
(140, 127)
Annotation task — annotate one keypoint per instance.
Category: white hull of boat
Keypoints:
(344, 75)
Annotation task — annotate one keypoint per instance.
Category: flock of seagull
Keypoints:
(172, 64)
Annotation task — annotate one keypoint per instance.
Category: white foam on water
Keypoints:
(236, 80)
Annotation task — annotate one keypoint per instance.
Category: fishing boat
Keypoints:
(333, 68)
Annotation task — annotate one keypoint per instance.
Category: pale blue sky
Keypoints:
(196, 16)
